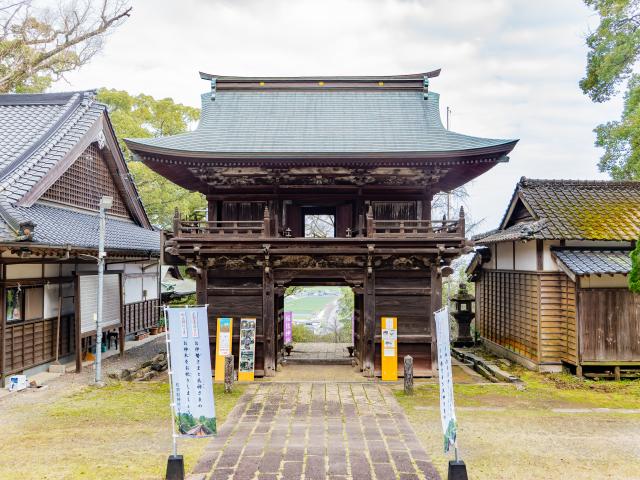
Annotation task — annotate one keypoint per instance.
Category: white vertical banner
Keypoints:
(190, 362)
(445, 374)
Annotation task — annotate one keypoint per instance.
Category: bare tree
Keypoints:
(38, 46)
(319, 226)
(447, 204)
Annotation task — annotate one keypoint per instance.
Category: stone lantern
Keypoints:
(462, 309)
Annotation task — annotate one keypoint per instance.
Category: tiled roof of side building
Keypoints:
(269, 122)
(572, 210)
(38, 131)
(594, 261)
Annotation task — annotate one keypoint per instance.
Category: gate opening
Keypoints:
(322, 319)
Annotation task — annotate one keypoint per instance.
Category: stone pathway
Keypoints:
(319, 352)
(315, 431)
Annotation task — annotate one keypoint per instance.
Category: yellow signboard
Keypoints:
(223, 345)
(389, 348)
(247, 349)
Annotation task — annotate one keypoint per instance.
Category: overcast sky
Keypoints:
(510, 68)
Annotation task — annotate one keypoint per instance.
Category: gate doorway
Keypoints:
(316, 326)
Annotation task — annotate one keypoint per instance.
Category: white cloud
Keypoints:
(510, 68)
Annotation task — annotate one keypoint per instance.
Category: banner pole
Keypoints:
(169, 372)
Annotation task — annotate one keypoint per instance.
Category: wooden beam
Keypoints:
(268, 324)
(369, 323)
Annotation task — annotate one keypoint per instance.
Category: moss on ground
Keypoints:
(120, 431)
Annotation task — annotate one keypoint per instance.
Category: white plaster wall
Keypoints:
(548, 262)
(526, 257)
(51, 269)
(24, 270)
(605, 281)
(504, 256)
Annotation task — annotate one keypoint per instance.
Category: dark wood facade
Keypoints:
(336, 146)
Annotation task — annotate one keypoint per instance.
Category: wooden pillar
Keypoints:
(78, 335)
(268, 323)
(212, 210)
(3, 323)
(369, 298)
(436, 303)
(426, 205)
(202, 283)
(408, 375)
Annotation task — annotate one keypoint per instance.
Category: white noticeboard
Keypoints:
(445, 374)
(191, 385)
(111, 301)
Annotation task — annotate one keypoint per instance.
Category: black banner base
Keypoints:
(175, 468)
(457, 470)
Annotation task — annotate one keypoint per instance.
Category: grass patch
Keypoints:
(525, 438)
(120, 431)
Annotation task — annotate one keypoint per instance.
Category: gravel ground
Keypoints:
(71, 382)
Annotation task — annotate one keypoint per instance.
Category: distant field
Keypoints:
(305, 307)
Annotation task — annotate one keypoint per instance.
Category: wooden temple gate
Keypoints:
(369, 153)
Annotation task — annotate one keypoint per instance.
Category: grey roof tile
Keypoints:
(595, 261)
(36, 132)
(573, 210)
(320, 121)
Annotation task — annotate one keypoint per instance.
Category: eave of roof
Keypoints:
(593, 261)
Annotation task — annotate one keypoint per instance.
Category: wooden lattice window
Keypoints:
(85, 182)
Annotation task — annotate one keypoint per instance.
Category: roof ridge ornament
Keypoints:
(425, 87)
(214, 85)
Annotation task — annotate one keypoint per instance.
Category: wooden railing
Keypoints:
(414, 229)
(220, 228)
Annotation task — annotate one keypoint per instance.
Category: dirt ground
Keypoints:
(72, 431)
(558, 427)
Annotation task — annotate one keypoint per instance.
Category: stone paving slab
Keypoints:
(307, 431)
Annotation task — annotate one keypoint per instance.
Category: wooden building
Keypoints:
(368, 153)
(58, 157)
(551, 281)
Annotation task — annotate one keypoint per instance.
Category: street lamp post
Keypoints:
(105, 204)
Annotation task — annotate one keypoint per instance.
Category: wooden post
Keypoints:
(369, 324)
(436, 303)
(3, 321)
(228, 374)
(266, 231)
(78, 336)
(616, 371)
(176, 222)
(408, 375)
(268, 326)
(370, 221)
(461, 230)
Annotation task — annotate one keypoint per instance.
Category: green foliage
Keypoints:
(301, 333)
(634, 275)
(614, 49)
(142, 116)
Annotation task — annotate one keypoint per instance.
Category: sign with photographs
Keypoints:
(389, 346)
(223, 345)
(191, 386)
(246, 363)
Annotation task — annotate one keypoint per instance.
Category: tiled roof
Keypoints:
(319, 122)
(573, 210)
(37, 131)
(595, 261)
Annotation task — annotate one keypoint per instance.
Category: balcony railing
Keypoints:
(398, 229)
